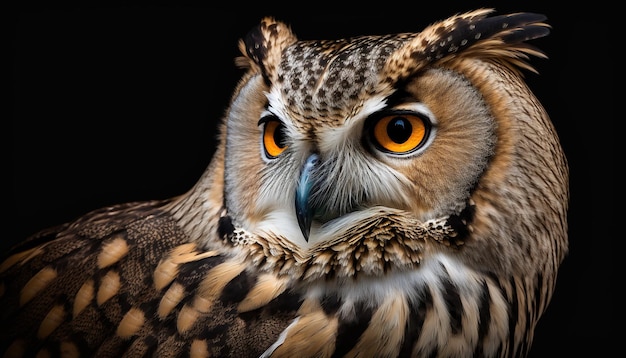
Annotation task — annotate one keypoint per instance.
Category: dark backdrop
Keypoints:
(116, 104)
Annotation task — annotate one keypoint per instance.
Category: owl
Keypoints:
(400, 195)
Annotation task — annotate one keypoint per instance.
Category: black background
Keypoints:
(119, 103)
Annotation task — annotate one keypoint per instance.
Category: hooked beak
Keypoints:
(304, 212)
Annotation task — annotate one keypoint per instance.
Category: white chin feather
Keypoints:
(339, 226)
(282, 223)
(285, 224)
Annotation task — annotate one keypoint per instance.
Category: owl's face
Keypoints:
(326, 142)
(364, 154)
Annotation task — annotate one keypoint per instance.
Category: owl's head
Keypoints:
(387, 149)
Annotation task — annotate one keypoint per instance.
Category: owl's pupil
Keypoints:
(399, 129)
(279, 136)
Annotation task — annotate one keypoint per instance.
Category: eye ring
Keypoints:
(273, 137)
(399, 132)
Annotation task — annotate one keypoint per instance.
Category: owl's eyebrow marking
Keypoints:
(269, 116)
(262, 120)
(398, 97)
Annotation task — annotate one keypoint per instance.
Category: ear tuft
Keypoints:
(263, 46)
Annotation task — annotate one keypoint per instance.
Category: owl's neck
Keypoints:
(198, 210)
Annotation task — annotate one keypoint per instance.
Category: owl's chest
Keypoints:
(441, 309)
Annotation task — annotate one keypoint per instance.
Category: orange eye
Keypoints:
(399, 132)
(273, 137)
